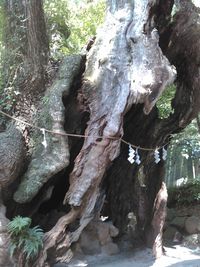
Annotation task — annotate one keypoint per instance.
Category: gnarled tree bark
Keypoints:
(111, 85)
(52, 156)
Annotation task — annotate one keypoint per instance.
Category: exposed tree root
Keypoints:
(158, 221)
(56, 235)
(4, 237)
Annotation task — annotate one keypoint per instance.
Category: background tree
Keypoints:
(183, 160)
(109, 94)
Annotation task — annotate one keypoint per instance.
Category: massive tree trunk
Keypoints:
(125, 73)
(153, 132)
(112, 83)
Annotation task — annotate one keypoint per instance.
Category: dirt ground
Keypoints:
(176, 256)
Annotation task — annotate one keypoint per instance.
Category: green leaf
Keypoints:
(18, 224)
(164, 102)
(23, 238)
(12, 249)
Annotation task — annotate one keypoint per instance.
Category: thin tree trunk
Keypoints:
(38, 46)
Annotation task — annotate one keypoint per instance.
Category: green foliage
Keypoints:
(24, 239)
(164, 103)
(1, 23)
(72, 23)
(7, 98)
(18, 224)
(186, 194)
(57, 14)
(11, 53)
(189, 140)
(183, 156)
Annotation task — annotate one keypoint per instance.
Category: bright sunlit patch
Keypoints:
(103, 218)
(196, 3)
(81, 264)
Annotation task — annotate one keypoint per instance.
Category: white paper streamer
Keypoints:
(156, 156)
(44, 142)
(164, 153)
(131, 155)
(137, 157)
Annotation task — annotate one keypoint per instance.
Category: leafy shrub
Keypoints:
(24, 240)
(185, 195)
(164, 102)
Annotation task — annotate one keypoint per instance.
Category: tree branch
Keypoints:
(48, 161)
